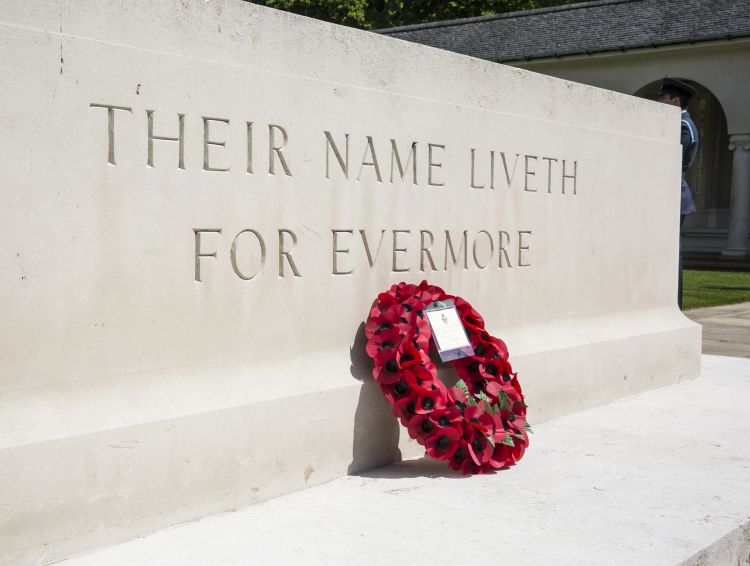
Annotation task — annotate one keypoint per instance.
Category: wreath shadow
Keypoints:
(376, 430)
(423, 467)
(375, 450)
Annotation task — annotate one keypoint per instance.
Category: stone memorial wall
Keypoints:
(199, 202)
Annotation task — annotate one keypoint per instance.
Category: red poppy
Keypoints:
(390, 338)
(399, 317)
(475, 386)
(471, 318)
(516, 384)
(460, 456)
(514, 421)
(387, 368)
(413, 305)
(480, 448)
(373, 325)
(412, 354)
(502, 456)
(447, 418)
(424, 333)
(442, 446)
(457, 398)
(472, 416)
(383, 316)
(429, 399)
(519, 408)
(498, 430)
(405, 409)
(387, 300)
(501, 349)
(512, 393)
(483, 346)
(403, 291)
(492, 389)
(375, 310)
(390, 319)
(422, 426)
(469, 466)
(493, 424)
(405, 386)
(468, 370)
(490, 370)
(425, 375)
(429, 293)
(519, 446)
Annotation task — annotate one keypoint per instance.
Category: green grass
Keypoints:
(713, 288)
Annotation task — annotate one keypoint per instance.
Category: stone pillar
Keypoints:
(739, 207)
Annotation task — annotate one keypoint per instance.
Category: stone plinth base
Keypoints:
(660, 478)
(145, 453)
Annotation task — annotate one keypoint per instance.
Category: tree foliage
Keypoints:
(377, 14)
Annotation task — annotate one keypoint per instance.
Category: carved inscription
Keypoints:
(420, 251)
(402, 161)
(207, 142)
(180, 139)
(165, 127)
(269, 149)
(553, 175)
(209, 243)
(111, 128)
(356, 159)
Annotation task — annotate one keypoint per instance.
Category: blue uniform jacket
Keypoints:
(689, 141)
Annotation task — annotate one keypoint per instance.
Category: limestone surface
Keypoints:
(658, 478)
(199, 201)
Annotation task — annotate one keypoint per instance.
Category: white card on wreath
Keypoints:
(448, 332)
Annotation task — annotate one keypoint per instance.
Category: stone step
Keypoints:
(714, 260)
(658, 478)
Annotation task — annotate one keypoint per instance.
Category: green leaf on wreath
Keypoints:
(460, 384)
(504, 401)
(471, 400)
(483, 397)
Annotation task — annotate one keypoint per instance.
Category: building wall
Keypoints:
(722, 67)
(721, 72)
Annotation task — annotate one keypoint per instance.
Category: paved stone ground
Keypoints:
(726, 329)
(660, 478)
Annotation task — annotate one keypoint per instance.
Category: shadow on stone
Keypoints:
(424, 467)
(361, 368)
(376, 430)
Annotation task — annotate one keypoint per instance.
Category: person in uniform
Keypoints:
(679, 93)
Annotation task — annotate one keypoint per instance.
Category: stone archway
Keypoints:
(710, 176)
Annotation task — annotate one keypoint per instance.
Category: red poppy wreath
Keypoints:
(479, 424)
